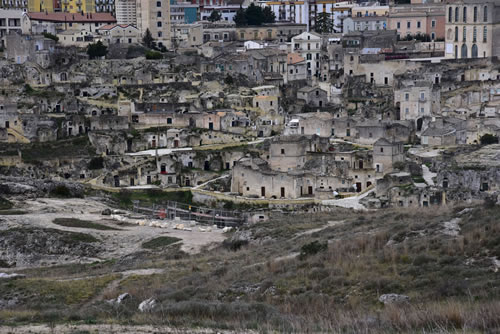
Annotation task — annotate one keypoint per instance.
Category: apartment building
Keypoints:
(305, 12)
(414, 19)
(10, 21)
(472, 29)
(308, 45)
(126, 12)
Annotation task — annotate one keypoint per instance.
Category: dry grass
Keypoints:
(336, 290)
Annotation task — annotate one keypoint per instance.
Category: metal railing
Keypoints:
(207, 216)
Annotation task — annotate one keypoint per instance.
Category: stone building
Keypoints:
(472, 29)
(416, 100)
(314, 123)
(313, 96)
(385, 154)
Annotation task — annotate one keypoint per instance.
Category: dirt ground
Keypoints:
(108, 329)
(41, 213)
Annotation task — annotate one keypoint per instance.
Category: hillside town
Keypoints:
(321, 101)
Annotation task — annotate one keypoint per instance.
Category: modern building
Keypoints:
(10, 21)
(126, 12)
(305, 12)
(308, 45)
(363, 23)
(14, 4)
(68, 6)
(64, 21)
(414, 19)
(159, 16)
(226, 8)
(472, 29)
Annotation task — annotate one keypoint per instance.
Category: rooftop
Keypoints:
(68, 17)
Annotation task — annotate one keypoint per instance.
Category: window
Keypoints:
(475, 14)
(465, 14)
(381, 150)
(456, 14)
(485, 14)
(474, 35)
(422, 96)
(158, 24)
(422, 110)
(408, 24)
(158, 3)
(419, 24)
(407, 111)
(407, 96)
(433, 24)
(485, 34)
(308, 56)
(399, 25)
(158, 14)
(456, 34)
(450, 14)
(160, 34)
(433, 36)
(465, 34)
(282, 151)
(308, 46)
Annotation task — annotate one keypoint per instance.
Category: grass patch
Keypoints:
(44, 292)
(5, 204)
(75, 222)
(74, 147)
(12, 212)
(160, 242)
(150, 196)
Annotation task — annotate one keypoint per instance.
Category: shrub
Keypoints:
(312, 248)
(5, 204)
(51, 36)
(234, 245)
(153, 55)
(60, 191)
(96, 163)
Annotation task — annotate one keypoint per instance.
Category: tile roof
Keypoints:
(294, 58)
(69, 17)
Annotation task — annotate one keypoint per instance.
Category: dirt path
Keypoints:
(110, 329)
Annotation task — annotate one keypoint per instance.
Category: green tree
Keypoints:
(50, 36)
(254, 15)
(240, 18)
(148, 39)
(488, 139)
(214, 16)
(229, 80)
(324, 23)
(268, 15)
(97, 50)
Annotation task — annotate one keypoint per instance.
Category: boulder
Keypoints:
(393, 298)
(147, 305)
(106, 212)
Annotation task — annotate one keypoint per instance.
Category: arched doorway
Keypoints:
(464, 51)
(474, 51)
